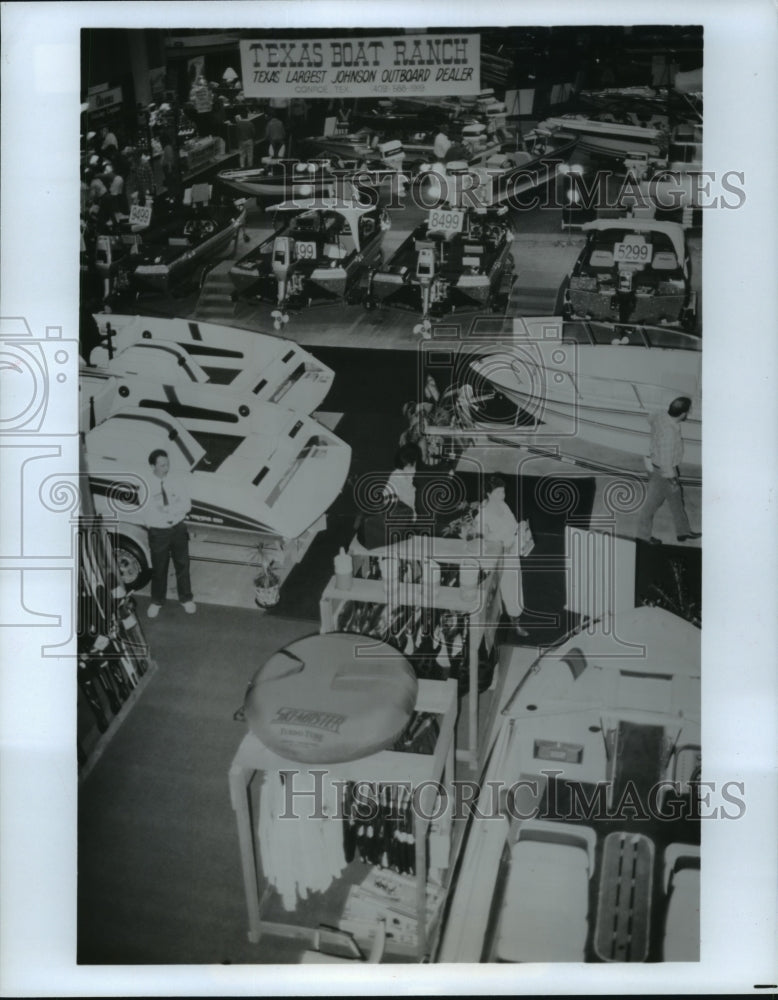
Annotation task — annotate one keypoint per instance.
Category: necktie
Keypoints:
(164, 496)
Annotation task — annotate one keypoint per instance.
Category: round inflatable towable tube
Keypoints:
(331, 698)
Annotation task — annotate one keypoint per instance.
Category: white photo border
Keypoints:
(38, 779)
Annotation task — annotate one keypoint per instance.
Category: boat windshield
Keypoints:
(308, 222)
(635, 335)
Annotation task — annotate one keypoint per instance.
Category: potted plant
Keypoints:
(463, 525)
(267, 583)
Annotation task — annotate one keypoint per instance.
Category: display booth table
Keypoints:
(385, 767)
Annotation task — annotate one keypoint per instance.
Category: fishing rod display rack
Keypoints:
(480, 604)
(385, 767)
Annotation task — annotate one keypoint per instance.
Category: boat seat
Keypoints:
(332, 251)
(601, 258)
(682, 923)
(665, 261)
(392, 148)
(545, 909)
(201, 194)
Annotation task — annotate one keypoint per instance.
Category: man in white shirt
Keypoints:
(400, 487)
(441, 144)
(168, 504)
(115, 184)
(109, 140)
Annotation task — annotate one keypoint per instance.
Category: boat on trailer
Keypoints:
(321, 252)
(457, 260)
(183, 237)
(634, 270)
(269, 368)
(587, 807)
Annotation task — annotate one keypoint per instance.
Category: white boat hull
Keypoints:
(598, 393)
(276, 480)
(269, 368)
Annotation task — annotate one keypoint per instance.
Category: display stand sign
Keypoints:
(429, 64)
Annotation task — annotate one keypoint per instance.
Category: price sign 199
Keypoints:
(305, 250)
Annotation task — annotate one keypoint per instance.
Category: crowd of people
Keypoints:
(113, 179)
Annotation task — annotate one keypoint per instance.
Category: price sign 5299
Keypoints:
(632, 251)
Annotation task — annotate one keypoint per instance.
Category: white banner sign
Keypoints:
(381, 66)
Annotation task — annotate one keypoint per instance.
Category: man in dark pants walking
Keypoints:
(168, 504)
(664, 482)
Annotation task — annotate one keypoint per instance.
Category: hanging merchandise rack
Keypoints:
(344, 852)
(113, 657)
(416, 596)
(114, 663)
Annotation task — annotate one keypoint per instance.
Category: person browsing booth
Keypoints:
(168, 504)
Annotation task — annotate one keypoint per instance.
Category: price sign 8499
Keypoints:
(445, 220)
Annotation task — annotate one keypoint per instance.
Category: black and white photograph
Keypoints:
(353, 449)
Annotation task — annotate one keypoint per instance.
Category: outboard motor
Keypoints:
(624, 299)
(393, 156)
(282, 262)
(283, 250)
(425, 272)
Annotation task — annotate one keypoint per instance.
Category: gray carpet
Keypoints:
(159, 877)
